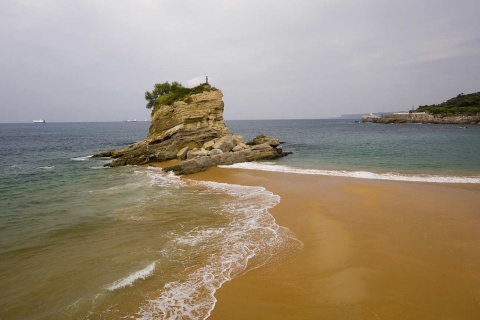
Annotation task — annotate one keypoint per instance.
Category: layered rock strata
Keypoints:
(234, 153)
(194, 132)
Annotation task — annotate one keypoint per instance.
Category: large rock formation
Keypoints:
(191, 123)
(194, 132)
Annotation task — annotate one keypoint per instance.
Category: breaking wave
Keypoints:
(82, 158)
(129, 280)
(354, 174)
(249, 240)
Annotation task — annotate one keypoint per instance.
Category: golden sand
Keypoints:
(372, 250)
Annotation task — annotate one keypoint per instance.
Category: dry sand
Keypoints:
(372, 250)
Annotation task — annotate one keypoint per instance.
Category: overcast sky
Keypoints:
(93, 60)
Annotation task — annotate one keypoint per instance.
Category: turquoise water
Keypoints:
(81, 241)
(345, 145)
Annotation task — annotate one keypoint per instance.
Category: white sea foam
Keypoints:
(354, 174)
(82, 158)
(47, 167)
(161, 178)
(251, 239)
(129, 280)
(122, 187)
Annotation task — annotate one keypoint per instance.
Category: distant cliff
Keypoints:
(420, 117)
(463, 109)
(194, 132)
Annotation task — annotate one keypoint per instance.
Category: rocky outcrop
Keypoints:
(251, 153)
(420, 118)
(190, 123)
(273, 142)
(184, 125)
(194, 132)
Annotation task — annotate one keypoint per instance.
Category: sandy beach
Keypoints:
(372, 250)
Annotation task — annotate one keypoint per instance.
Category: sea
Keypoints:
(79, 240)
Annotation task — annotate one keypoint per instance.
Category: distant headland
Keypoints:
(463, 109)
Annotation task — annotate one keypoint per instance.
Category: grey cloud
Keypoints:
(93, 60)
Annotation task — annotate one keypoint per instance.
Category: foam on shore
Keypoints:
(250, 240)
(265, 166)
(372, 249)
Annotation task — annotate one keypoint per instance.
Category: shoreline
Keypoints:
(361, 174)
(373, 249)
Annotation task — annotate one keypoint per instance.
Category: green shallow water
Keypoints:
(345, 145)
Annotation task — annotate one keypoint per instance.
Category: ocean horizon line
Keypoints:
(147, 120)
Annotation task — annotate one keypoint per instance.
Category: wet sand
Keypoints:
(372, 250)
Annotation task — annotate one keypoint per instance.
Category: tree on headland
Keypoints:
(166, 93)
(462, 105)
(160, 89)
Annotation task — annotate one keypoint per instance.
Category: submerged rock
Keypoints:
(273, 142)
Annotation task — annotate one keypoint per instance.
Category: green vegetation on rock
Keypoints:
(166, 93)
(461, 105)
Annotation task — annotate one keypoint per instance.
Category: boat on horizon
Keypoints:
(39, 121)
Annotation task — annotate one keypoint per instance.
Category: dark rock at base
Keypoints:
(259, 152)
(191, 166)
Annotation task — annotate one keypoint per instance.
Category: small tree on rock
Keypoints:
(166, 93)
(160, 89)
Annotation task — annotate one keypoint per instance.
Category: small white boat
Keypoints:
(39, 121)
